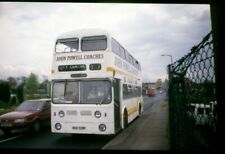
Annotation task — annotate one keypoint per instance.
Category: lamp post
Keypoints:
(169, 66)
(171, 57)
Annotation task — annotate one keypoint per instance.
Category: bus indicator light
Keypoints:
(61, 114)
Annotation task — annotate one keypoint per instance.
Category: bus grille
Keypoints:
(85, 113)
(71, 112)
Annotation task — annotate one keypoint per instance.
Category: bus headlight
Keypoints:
(98, 114)
(102, 127)
(61, 114)
(58, 126)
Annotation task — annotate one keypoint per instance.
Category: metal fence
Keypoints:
(192, 99)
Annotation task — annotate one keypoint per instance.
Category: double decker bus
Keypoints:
(96, 84)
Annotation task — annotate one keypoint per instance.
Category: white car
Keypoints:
(200, 112)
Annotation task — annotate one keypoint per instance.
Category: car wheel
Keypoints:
(7, 132)
(36, 126)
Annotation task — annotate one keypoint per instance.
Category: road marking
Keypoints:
(8, 139)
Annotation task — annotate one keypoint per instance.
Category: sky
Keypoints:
(29, 29)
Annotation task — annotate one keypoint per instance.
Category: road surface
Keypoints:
(48, 140)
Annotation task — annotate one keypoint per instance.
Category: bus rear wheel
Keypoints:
(125, 119)
(139, 110)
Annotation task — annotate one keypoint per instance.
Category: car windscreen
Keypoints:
(30, 106)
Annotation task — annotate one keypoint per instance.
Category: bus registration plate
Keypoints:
(78, 127)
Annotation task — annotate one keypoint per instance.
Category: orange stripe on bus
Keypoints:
(111, 69)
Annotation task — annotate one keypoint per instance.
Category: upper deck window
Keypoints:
(94, 43)
(115, 47)
(122, 52)
(67, 45)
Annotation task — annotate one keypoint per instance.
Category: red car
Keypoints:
(29, 114)
(151, 92)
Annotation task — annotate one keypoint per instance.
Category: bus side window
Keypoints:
(115, 47)
(125, 91)
(130, 60)
(122, 52)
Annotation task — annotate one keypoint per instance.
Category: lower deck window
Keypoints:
(82, 92)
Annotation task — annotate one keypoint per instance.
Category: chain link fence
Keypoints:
(192, 99)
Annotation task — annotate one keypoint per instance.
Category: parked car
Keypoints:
(202, 113)
(31, 114)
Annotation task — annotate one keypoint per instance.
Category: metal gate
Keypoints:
(192, 99)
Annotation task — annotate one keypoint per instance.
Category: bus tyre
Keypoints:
(125, 119)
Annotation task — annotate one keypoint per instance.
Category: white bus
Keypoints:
(96, 84)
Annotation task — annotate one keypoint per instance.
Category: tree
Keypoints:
(4, 91)
(12, 84)
(20, 92)
(43, 87)
(32, 84)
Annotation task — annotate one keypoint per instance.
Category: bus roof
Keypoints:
(82, 32)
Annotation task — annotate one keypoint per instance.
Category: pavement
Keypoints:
(148, 132)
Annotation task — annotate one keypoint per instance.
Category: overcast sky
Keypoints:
(28, 31)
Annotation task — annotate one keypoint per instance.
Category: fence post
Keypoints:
(218, 49)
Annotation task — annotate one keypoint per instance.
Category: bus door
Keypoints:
(116, 87)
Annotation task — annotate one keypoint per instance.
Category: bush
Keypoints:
(20, 92)
(6, 107)
(13, 100)
(32, 96)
